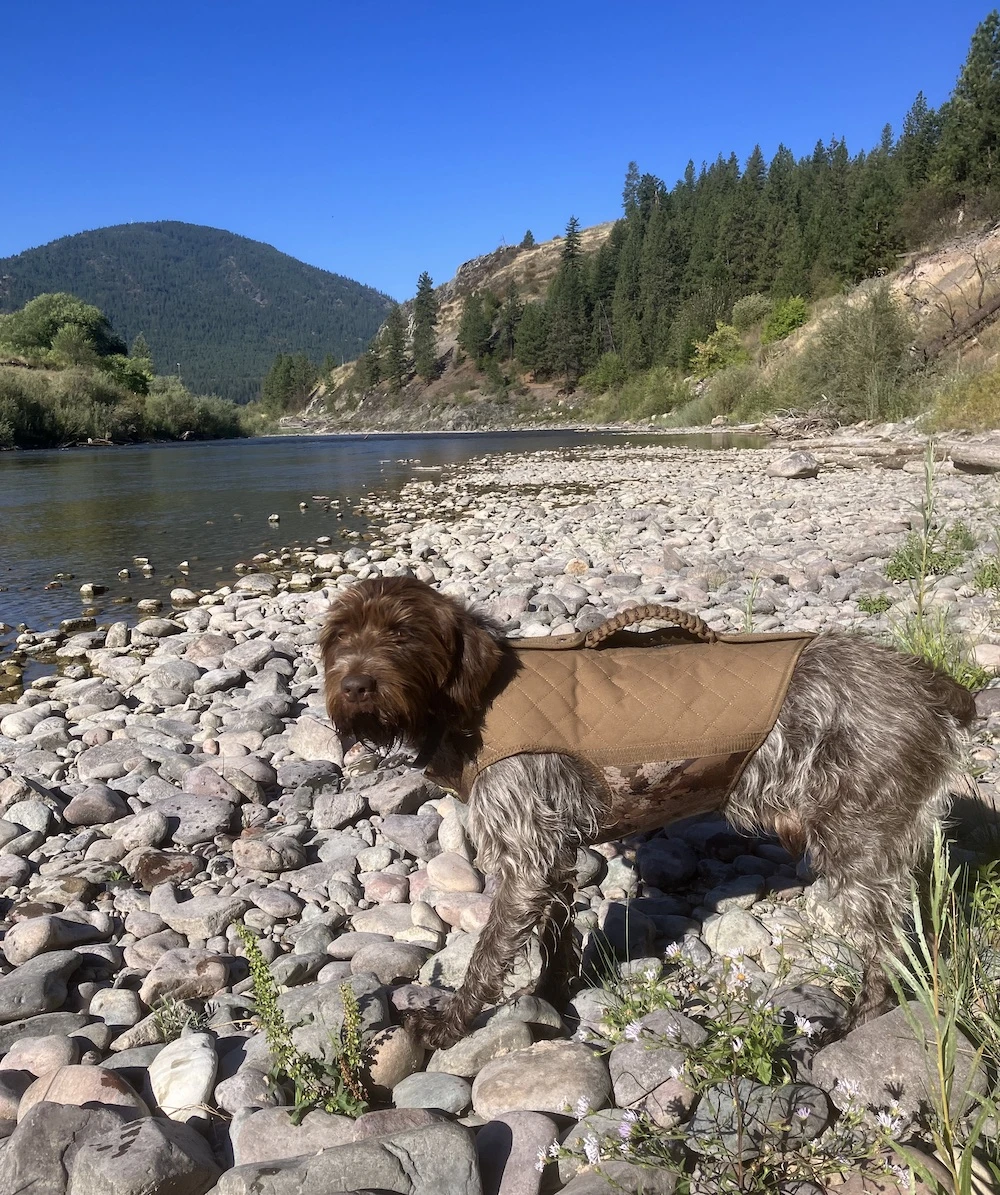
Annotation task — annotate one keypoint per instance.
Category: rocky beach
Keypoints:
(177, 779)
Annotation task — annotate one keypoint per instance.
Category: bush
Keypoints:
(968, 402)
(608, 374)
(859, 365)
(750, 311)
(788, 315)
(724, 347)
(656, 391)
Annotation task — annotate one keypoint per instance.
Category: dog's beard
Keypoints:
(395, 715)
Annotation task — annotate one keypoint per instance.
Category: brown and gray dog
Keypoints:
(854, 769)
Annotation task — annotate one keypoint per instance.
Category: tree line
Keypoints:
(680, 259)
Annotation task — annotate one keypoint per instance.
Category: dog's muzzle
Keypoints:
(358, 688)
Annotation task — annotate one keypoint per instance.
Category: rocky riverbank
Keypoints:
(179, 777)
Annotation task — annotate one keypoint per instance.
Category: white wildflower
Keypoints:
(848, 1089)
(554, 1149)
(633, 1030)
(541, 1161)
(651, 975)
(592, 1148)
(891, 1124)
(737, 1044)
(805, 1027)
(673, 951)
(903, 1175)
(674, 1072)
(582, 1107)
(803, 1111)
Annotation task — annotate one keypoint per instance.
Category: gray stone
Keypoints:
(192, 820)
(148, 828)
(412, 833)
(549, 1077)
(399, 794)
(95, 806)
(437, 1160)
(184, 974)
(450, 1093)
(887, 1060)
(468, 1056)
(622, 1178)
(316, 1013)
(40, 1152)
(40, 935)
(332, 811)
(391, 963)
(37, 986)
(273, 853)
(735, 932)
(312, 740)
(508, 1149)
(182, 1076)
(109, 761)
(268, 1134)
(202, 916)
(794, 465)
(718, 1127)
(639, 1067)
(146, 1157)
(666, 863)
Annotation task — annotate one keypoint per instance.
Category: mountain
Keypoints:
(218, 305)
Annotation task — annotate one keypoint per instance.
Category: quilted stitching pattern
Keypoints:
(633, 704)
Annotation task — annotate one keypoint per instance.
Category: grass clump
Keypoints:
(950, 971)
(331, 1087)
(932, 553)
(986, 578)
(971, 401)
(172, 1017)
(874, 603)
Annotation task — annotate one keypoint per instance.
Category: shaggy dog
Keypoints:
(855, 771)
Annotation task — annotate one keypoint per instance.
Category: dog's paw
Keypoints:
(437, 1028)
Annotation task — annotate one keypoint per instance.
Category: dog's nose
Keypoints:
(357, 686)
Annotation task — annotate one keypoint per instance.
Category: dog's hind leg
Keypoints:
(528, 813)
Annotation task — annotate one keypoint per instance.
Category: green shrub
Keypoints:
(968, 402)
(335, 1087)
(919, 555)
(608, 374)
(859, 364)
(874, 603)
(750, 311)
(986, 578)
(787, 315)
(724, 347)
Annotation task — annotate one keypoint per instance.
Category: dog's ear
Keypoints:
(477, 656)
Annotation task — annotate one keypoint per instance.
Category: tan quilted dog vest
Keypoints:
(665, 723)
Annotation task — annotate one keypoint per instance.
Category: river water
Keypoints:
(89, 511)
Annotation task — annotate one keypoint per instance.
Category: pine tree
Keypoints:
(528, 240)
(425, 314)
(393, 349)
(475, 328)
(140, 351)
(569, 328)
(510, 318)
(531, 340)
(969, 150)
(630, 191)
(917, 142)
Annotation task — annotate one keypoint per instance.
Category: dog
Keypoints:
(855, 771)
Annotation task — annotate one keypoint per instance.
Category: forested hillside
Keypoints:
(705, 275)
(212, 305)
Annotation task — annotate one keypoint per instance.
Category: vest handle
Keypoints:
(689, 622)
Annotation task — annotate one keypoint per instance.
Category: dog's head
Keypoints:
(400, 659)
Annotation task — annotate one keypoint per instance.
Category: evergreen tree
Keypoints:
(630, 192)
(288, 383)
(510, 318)
(569, 330)
(368, 369)
(528, 240)
(140, 351)
(393, 349)
(475, 329)
(969, 152)
(917, 142)
(425, 315)
(531, 340)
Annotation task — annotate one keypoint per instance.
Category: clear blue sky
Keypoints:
(378, 138)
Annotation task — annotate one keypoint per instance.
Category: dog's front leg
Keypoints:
(527, 815)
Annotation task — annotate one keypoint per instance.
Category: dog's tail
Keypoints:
(953, 699)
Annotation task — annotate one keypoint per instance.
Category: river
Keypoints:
(88, 512)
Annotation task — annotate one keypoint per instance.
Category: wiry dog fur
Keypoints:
(855, 772)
